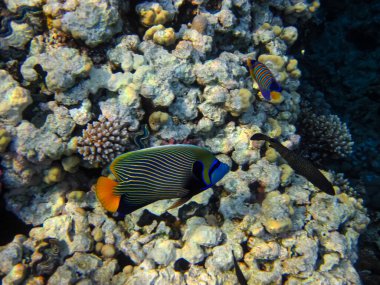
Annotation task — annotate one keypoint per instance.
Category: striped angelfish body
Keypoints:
(264, 78)
(262, 75)
(157, 173)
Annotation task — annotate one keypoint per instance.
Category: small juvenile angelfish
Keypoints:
(164, 172)
(264, 78)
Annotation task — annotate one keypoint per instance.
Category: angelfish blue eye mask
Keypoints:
(217, 171)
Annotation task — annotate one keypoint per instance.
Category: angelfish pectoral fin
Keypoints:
(179, 202)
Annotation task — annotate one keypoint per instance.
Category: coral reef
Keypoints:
(325, 136)
(14, 99)
(179, 68)
(102, 141)
(62, 65)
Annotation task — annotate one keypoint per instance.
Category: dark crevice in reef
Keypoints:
(132, 21)
(186, 13)
(149, 107)
(213, 6)
(181, 265)
(123, 261)
(33, 112)
(11, 225)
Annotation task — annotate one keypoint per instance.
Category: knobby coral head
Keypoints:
(102, 141)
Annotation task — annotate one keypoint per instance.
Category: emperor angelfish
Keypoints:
(264, 78)
(300, 165)
(164, 172)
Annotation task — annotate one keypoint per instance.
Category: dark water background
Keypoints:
(342, 61)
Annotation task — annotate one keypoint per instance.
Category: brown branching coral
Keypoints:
(325, 136)
(102, 141)
(344, 185)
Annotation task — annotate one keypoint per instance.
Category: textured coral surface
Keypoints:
(83, 83)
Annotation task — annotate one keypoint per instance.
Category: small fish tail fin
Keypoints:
(275, 96)
(104, 193)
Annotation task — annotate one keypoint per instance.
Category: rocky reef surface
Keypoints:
(79, 81)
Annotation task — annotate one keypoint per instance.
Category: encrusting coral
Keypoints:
(13, 100)
(102, 141)
(5, 139)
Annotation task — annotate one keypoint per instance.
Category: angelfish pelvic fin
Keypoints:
(179, 202)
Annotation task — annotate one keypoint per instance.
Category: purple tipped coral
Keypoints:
(102, 141)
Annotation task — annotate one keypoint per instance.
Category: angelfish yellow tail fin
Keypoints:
(276, 97)
(105, 195)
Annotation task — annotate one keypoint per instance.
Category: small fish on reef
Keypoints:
(264, 78)
(300, 165)
(239, 273)
(164, 172)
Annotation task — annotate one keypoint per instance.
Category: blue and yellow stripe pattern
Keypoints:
(268, 85)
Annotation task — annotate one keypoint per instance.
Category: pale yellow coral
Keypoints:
(315, 6)
(271, 155)
(108, 251)
(286, 173)
(300, 7)
(153, 16)
(72, 146)
(53, 175)
(151, 31)
(128, 96)
(161, 35)
(37, 280)
(293, 69)
(71, 164)
(274, 226)
(14, 99)
(239, 104)
(58, 205)
(99, 246)
(165, 37)
(266, 26)
(16, 275)
(289, 35)
(98, 234)
(277, 30)
(5, 139)
(296, 73)
(76, 195)
(274, 62)
(157, 120)
(292, 65)
(275, 128)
